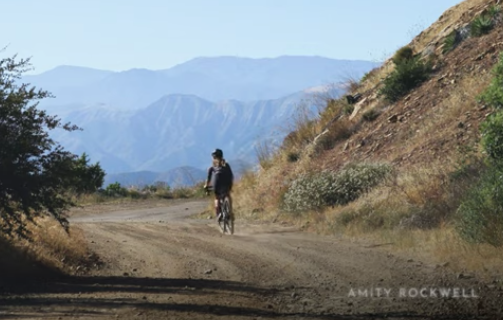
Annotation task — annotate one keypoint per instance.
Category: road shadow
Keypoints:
(104, 297)
(87, 284)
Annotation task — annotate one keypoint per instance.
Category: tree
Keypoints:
(87, 178)
(35, 171)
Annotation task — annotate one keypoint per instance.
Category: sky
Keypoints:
(119, 35)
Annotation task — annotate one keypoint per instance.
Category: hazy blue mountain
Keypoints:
(67, 76)
(269, 78)
(175, 131)
(177, 177)
(144, 121)
(213, 79)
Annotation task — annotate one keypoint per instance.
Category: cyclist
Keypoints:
(220, 176)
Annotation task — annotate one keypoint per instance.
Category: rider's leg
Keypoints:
(217, 206)
(231, 212)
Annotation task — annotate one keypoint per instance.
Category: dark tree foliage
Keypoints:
(87, 178)
(35, 171)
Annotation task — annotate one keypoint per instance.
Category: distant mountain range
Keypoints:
(157, 121)
(178, 177)
(214, 79)
(175, 131)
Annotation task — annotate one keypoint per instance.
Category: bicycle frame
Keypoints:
(225, 221)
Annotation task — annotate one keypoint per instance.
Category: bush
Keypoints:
(451, 41)
(494, 10)
(370, 115)
(406, 76)
(87, 178)
(481, 25)
(319, 190)
(115, 190)
(403, 55)
(492, 136)
(493, 95)
(480, 216)
(183, 193)
(35, 171)
(134, 194)
(338, 131)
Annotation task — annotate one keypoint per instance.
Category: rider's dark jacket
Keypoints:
(221, 178)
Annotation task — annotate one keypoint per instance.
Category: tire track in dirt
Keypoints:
(161, 264)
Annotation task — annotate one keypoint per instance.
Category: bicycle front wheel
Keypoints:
(228, 223)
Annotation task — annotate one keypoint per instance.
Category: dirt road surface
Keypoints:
(161, 264)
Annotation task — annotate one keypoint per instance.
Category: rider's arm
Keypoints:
(208, 179)
(231, 175)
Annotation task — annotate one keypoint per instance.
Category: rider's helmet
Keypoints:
(217, 154)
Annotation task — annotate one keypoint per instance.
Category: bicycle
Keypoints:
(225, 220)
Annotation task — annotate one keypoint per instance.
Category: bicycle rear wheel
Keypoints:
(227, 223)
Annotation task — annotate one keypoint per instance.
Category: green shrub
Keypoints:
(403, 55)
(480, 216)
(406, 76)
(450, 42)
(370, 115)
(115, 190)
(481, 25)
(493, 95)
(492, 136)
(494, 11)
(318, 190)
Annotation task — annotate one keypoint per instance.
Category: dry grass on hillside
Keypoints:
(48, 250)
(443, 246)
(430, 136)
(458, 14)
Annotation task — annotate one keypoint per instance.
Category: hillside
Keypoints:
(428, 127)
(383, 201)
(428, 137)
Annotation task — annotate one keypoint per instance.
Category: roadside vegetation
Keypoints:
(448, 207)
(329, 174)
(40, 182)
(115, 193)
(37, 178)
(481, 213)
